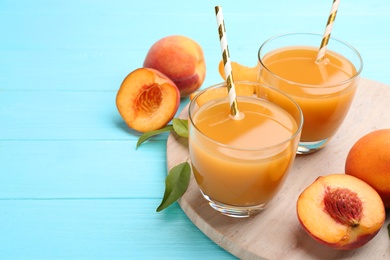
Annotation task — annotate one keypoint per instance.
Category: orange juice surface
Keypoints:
(323, 90)
(236, 168)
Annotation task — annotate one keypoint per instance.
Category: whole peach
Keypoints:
(369, 160)
(181, 59)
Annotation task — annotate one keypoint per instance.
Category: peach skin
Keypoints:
(181, 59)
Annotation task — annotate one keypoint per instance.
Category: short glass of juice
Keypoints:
(324, 89)
(241, 163)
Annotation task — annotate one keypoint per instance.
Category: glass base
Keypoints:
(235, 211)
(311, 147)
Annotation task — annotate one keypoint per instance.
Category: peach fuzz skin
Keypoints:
(181, 59)
(352, 219)
(147, 100)
(369, 160)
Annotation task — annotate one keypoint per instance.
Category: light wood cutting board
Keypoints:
(276, 233)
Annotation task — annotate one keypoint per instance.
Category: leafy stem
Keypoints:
(180, 126)
(178, 178)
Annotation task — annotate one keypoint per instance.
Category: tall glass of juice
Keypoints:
(240, 163)
(323, 88)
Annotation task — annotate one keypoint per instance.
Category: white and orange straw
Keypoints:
(328, 30)
(226, 62)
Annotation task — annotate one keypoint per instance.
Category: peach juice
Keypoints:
(323, 89)
(240, 164)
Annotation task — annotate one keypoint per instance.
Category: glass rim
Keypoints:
(291, 82)
(223, 84)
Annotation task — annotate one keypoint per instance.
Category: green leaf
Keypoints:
(176, 184)
(147, 135)
(180, 126)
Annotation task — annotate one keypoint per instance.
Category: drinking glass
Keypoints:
(324, 89)
(241, 164)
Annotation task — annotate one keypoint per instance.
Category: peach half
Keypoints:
(147, 100)
(241, 89)
(240, 72)
(340, 211)
(181, 59)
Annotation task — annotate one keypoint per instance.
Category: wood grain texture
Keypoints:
(98, 229)
(63, 169)
(276, 233)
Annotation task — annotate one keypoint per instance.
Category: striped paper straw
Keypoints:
(328, 30)
(226, 61)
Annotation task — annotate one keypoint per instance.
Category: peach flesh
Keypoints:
(340, 211)
(147, 100)
(242, 89)
(240, 72)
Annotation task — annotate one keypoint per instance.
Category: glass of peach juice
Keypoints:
(240, 163)
(323, 88)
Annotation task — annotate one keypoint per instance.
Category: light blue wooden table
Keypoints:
(72, 184)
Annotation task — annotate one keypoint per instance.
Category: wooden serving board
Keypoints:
(276, 233)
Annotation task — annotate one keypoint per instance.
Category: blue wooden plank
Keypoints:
(62, 46)
(100, 229)
(59, 115)
(82, 169)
